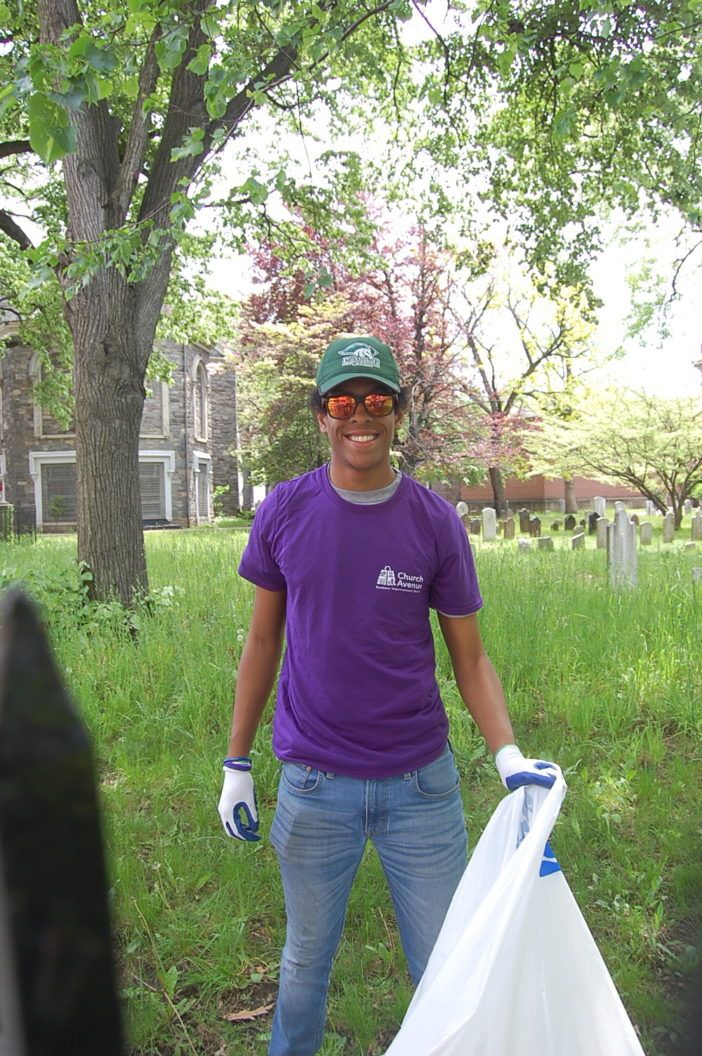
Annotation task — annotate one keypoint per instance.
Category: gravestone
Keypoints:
(687, 507)
(669, 527)
(560, 505)
(535, 527)
(697, 526)
(601, 533)
(569, 523)
(646, 533)
(650, 507)
(524, 519)
(621, 552)
(58, 992)
(578, 541)
(691, 546)
(509, 528)
(489, 524)
(462, 509)
(556, 526)
(619, 506)
(475, 526)
(697, 575)
(634, 519)
(545, 543)
(599, 505)
(592, 520)
(524, 544)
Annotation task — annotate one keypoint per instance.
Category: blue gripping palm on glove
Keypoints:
(517, 771)
(238, 808)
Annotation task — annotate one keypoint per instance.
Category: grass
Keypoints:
(607, 684)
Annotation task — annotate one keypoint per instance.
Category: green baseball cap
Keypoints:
(357, 357)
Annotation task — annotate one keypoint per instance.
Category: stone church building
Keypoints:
(187, 445)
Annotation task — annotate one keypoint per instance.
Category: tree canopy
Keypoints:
(648, 442)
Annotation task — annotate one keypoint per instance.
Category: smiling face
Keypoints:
(360, 445)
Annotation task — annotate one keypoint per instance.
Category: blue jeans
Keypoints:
(322, 821)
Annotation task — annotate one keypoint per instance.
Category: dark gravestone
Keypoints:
(524, 519)
(634, 519)
(592, 520)
(570, 522)
(556, 526)
(475, 526)
(535, 527)
(58, 994)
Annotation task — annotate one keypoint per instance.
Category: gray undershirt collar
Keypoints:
(369, 498)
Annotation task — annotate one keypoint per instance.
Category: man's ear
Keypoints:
(399, 415)
(322, 420)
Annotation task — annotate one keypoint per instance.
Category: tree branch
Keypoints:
(14, 231)
(138, 138)
(15, 146)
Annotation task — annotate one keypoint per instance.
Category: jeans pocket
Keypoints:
(300, 778)
(438, 780)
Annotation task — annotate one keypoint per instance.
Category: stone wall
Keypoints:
(167, 427)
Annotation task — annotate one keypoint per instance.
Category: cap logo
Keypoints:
(360, 356)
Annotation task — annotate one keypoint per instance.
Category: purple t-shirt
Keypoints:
(357, 692)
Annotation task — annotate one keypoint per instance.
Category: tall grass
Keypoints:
(607, 684)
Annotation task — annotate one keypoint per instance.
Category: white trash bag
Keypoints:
(515, 970)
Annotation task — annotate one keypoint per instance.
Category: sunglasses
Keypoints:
(378, 404)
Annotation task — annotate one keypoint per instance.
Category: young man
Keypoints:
(348, 560)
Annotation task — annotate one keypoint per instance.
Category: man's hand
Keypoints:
(237, 804)
(516, 771)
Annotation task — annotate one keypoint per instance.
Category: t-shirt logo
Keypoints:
(360, 356)
(389, 579)
(386, 577)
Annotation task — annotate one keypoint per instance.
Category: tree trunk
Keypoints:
(498, 489)
(109, 368)
(571, 502)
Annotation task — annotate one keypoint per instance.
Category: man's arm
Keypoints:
(477, 679)
(257, 668)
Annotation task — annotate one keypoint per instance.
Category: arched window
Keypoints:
(44, 422)
(200, 401)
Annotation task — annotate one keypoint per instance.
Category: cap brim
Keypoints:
(339, 379)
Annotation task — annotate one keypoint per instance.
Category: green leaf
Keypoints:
(73, 98)
(257, 191)
(49, 131)
(191, 146)
(201, 63)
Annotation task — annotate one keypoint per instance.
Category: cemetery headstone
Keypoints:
(556, 526)
(669, 527)
(635, 519)
(570, 523)
(578, 541)
(599, 505)
(601, 533)
(535, 527)
(509, 528)
(592, 520)
(621, 552)
(650, 507)
(561, 505)
(687, 507)
(691, 546)
(646, 533)
(489, 524)
(524, 519)
(524, 544)
(545, 542)
(619, 506)
(697, 575)
(475, 526)
(461, 509)
(697, 526)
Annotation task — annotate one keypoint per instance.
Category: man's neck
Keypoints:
(349, 479)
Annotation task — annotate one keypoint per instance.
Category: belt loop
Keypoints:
(407, 776)
(329, 775)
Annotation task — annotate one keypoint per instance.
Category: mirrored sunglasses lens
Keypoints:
(379, 404)
(341, 406)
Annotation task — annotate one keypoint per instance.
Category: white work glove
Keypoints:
(516, 771)
(237, 804)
